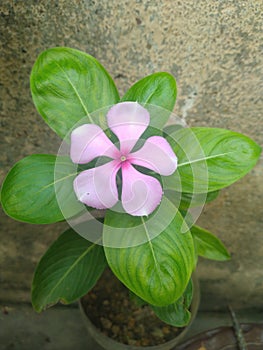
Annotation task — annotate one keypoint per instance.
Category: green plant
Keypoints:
(153, 250)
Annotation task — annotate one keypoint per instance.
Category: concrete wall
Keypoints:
(212, 47)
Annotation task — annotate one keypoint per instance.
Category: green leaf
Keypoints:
(190, 200)
(177, 314)
(188, 294)
(157, 270)
(169, 129)
(208, 245)
(158, 89)
(67, 271)
(67, 85)
(210, 159)
(136, 300)
(29, 191)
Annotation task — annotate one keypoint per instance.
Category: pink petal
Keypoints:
(141, 193)
(97, 187)
(89, 141)
(128, 121)
(157, 155)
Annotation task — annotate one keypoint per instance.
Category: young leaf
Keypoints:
(176, 314)
(29, 193)
(210, 159)
(67, 271)
(157, 270)
(67, 85)
(208, 245)
(158, 89)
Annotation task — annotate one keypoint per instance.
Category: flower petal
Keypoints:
(141, 193)
(128, 120)
(89, 141)
(97, 187)
(157, 155)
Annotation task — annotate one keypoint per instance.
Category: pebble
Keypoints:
(131, 323)
(115, 329)
(105, 323)
(166, 330)
(157, 332)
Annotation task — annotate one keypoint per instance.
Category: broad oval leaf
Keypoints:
(210, 159)
(208, 245)
(158, 89)
(29, 193)
(177, 314)
(67, 271)
(159, 269)
(67, 85)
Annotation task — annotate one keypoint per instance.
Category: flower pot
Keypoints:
(128, 326)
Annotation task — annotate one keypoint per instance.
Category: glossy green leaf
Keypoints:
(158, 89)
(177, 314)
(67, 85)
(210, 159)
(159, 269)
(29, 191)
(67, 271)
(208, 245)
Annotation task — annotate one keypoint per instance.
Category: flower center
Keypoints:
(123, 158)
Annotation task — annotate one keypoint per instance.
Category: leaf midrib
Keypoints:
(205, 158)
(157, 265)
(148, 98)
(57, 181)
(76, 92)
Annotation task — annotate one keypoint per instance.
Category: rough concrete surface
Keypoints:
(63, 328)
(213, 48)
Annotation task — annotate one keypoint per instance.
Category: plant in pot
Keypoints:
(131, 180)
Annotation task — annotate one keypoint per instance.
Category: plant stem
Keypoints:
(238, 331)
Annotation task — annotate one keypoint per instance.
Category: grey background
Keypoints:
(213, 48)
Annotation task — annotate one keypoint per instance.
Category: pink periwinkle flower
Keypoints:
(97, 187)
